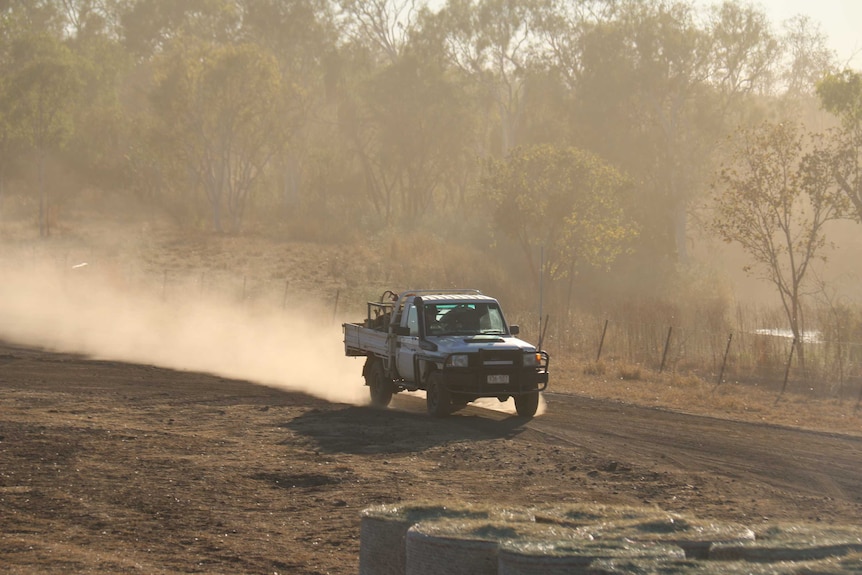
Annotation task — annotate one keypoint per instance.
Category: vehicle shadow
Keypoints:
(367, 430)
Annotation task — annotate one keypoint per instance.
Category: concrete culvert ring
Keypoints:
(694, 536)
(695, 567)
(383, 530)
(793, 543)
(455, 547)
(575, 554)
(577, 515)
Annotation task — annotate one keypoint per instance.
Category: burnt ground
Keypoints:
(116, 468)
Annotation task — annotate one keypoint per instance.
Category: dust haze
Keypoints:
(79, 309)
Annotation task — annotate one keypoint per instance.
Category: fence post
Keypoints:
(858, 400)
(602, 341)
(666, 346)
(544, 329)
(724, 360)
(787, 369)
(335, 307)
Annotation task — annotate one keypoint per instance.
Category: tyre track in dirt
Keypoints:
(811, 472)
(806, 462)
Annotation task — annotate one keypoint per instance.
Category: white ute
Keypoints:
(453, 344)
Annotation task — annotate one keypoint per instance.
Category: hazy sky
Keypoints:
(840, 20)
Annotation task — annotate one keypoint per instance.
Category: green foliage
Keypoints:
(42, 88)
(654, 90)
(564, 200)
(744, 50)
(222, 112)
(382, 113)
(411, 125)
(422, 123)
(149, 26)
(99, 146)
(491, 41)
(841, 95)
(44, 82)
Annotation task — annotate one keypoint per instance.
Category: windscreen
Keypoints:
(464, 319)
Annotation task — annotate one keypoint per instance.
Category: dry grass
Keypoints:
(630, 373)
(691, 394)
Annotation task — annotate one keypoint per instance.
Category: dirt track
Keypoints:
(115, 468)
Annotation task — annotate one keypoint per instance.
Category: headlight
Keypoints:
(532, 359)
(458, 360)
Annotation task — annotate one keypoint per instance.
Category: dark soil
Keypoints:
(116, 468)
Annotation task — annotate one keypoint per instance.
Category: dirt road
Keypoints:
(114, 468)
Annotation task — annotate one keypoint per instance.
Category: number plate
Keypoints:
(498, 379)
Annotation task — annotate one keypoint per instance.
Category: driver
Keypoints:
(431, 322)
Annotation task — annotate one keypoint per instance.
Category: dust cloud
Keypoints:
(79, 310)
(508, 406)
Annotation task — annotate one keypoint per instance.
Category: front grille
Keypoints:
(500, 359)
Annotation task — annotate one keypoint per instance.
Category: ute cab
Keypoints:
(454, 344)
(458, 348)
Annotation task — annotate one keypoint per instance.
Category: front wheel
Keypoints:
(379, 385)
(527, 404)
(438, 398)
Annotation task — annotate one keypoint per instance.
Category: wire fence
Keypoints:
(745, 350)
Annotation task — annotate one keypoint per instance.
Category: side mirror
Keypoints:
(402, 330)
(514, 330)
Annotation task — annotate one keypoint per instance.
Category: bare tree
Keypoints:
(385, 26)
(496, 43)
(808, 55)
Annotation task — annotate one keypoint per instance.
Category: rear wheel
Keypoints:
(438, 398)
(527, 404)
(379, 385)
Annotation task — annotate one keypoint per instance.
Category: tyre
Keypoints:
(379, 385)
(527, 404)
(457, 403)
(438, 398)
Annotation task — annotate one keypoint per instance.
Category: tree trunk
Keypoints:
(44, 229)
(2, 189)
(797, 327)
(680, 221)
(215, 204)
(292, 182)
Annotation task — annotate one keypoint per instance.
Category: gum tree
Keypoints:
(408, 120)
(7, 136)
(841, 94)
(222, 118)
(774, 198)
(564, 200)
(44, 83)
(496, 44)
